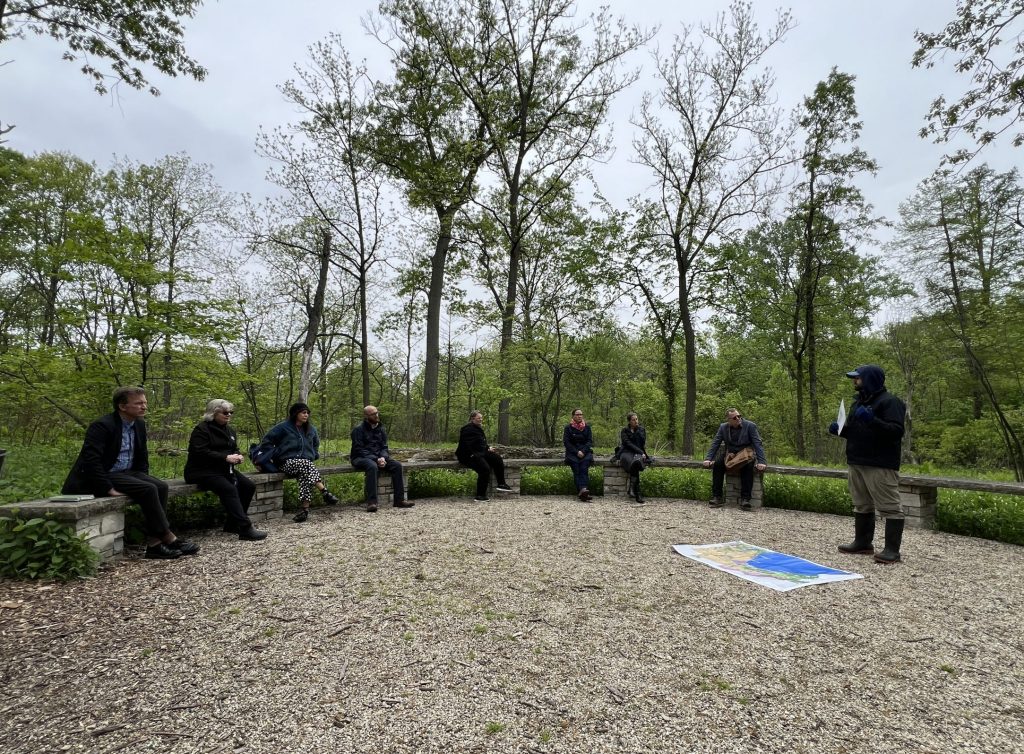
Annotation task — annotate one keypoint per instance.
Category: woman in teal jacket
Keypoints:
(297, 445)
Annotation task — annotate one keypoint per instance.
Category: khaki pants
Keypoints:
(874, 489)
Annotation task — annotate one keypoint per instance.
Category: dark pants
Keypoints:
(483, 465)
(150, 494)
(371, 469)
(580, 469)
(235, 493)
(746, 479)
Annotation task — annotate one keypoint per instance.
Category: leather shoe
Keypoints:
(252, 534)
(371, 506)
(329, 498)
(184, 546)
(404, 503)
(301, 516)
(160, 551)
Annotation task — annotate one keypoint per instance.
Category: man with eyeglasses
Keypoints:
(737, 434)
(114, 462)
(370, 453)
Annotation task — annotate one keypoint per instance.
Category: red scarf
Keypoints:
(579, 426)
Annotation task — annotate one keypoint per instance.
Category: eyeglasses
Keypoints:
(227, 413)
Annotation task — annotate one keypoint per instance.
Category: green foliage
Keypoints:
(120, 33)
(44, 549)
(981, 514)
(438, 483)
(557, 480)
(811, 494)
(688, 484)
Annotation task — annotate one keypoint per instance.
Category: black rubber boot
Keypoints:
(636, 489)
(864, 535)
(893, 540)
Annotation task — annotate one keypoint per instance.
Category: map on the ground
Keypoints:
(774, 570)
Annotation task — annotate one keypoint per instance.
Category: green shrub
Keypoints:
(688, 484)
(981, 514)
(41, 548)
(439, 483)
(812, 494)
(557, 480)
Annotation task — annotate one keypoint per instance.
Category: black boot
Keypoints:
(893, 540)
(636, 489)
(251, 534)
(864, 534)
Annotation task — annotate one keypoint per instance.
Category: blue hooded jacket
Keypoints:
(876, 442)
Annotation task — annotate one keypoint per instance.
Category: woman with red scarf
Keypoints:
(579, 452)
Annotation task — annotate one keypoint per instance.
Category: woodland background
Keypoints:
(437, 243)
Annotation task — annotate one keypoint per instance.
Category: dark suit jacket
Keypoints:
(90, 473)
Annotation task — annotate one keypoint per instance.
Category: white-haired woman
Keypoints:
(213, 455)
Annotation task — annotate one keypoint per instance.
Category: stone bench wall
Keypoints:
(102, 520)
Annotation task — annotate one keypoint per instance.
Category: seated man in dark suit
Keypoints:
(371, 454)
(736, 433)
(114, 461)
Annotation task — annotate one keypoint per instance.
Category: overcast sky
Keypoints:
(251, 47)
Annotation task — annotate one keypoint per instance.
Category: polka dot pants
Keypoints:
(306, 474)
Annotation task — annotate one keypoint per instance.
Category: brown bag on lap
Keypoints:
(734, 462)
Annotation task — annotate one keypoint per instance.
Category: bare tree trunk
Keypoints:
(435, 294)
(314, 315)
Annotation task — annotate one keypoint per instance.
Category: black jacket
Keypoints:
(472, 442)
(632, 444)
(208, 446)
(576, 440)
(90, 473)
(369, 442)
(877, 442)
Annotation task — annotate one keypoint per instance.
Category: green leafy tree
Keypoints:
(121, 34)
(430, 136)
(959, 233)
(712, 138)
(986, 40)
(835, 219)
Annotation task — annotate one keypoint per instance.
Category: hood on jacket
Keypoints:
(872, 378)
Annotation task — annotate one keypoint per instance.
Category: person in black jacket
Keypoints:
(474, 452)
(370, 453)
(213, 455)
(579, 452)
(874, 435)
(633, 454)
(114, 461)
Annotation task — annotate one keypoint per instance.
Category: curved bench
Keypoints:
(101, 520)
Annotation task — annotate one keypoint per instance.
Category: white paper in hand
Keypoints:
(842, 414)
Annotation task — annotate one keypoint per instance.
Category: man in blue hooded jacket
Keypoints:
(874, 433)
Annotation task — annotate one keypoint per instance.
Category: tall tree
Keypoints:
(543, 96)
(712, 138)
(959, 234)
(333, 178)
(835, 217)
(431, 137)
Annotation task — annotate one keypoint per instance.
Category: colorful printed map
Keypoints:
(774, 570)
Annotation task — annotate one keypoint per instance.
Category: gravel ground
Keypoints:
(534, 624)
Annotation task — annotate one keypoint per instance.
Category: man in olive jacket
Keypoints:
(114, 462)
(874, 438)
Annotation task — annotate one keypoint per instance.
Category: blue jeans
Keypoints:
(580, 469)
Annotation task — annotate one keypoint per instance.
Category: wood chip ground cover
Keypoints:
(535, 624)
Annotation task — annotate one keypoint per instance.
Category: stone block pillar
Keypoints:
(919, 505)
